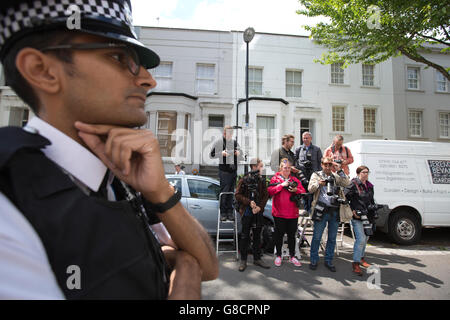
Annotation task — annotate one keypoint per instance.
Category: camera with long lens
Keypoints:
(253, 178)
(333, 192)
(306, 165)
(367, 225)
(373, 208)
(296, 198)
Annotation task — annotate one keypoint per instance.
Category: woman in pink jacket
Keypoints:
(284, 211)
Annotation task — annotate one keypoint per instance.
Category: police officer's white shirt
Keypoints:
(25, 272)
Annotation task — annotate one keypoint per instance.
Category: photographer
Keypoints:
(251, 195)
(307, 159)
(285, 209)
(337, 151)
(228, 152)
(360, 195)
(326, 205)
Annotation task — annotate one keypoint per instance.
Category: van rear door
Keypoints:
(436, 191)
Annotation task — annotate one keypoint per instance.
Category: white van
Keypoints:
(412, 178)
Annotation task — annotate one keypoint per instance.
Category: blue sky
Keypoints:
(263, 15)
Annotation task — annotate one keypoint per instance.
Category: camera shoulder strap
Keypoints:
(357, 187)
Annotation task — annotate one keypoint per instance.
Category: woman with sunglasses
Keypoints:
(285, 211)
(360, 195)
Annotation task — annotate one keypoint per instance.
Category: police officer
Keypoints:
(79, 179)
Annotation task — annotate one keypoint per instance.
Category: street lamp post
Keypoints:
(249, 33)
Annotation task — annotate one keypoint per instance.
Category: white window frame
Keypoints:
(293, 84)
(159, 77)
(346, 120)
(332, 72)
(250, 81)
(410, 124)
(442, 123)
(437, 81)
(418, 79)
(180, 124)
(376, 119)
(363, 75)
(269, 135)
(158, 128)
(200, 78)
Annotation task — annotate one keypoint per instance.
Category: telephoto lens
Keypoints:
(366, 223)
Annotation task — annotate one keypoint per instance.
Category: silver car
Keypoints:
(200, 196)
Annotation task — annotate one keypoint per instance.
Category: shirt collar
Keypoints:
(70, 155)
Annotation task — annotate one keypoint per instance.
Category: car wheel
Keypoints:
(404, 228)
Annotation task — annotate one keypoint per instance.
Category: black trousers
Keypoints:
(227, 184)
(282, 226)
(247, 222)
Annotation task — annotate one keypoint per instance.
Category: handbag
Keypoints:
(345, 213)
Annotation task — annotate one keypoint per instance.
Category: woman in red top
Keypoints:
(284, 211)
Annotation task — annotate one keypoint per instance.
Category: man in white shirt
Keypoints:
(88, 121)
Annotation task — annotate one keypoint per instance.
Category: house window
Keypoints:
(368, 75)
(265, 139)
(337, 73)
(216, 121)
(413, 78)
(370, 120)
(338, 118)
(163, 76)
(441, 82)
(167, 123)
(444, 124)
(206, 78)
(255, 81)
(305, 126)
(18, 117)
(415, 123)
(293, 84)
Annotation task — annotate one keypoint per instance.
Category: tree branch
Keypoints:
(445, 31)
(420, 58)
(434, 39)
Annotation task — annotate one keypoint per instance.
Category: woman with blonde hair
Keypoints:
(285, 212)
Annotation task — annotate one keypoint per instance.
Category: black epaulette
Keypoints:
(13, 139)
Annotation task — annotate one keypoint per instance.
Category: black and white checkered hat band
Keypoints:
(25, 15)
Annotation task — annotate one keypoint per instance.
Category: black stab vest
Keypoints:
(117, 255)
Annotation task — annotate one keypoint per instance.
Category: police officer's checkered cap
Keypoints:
(19, 16)
(23, 14)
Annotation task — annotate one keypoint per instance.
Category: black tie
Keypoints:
(102, 190)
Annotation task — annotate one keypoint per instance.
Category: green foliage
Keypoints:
(375, 30)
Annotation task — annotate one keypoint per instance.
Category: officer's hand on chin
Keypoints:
(132, 155)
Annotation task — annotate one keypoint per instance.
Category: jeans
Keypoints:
(359, 248)
(331, 218)
(307, 203)
(247, 222)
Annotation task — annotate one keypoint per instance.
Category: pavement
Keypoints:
(413, 272)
